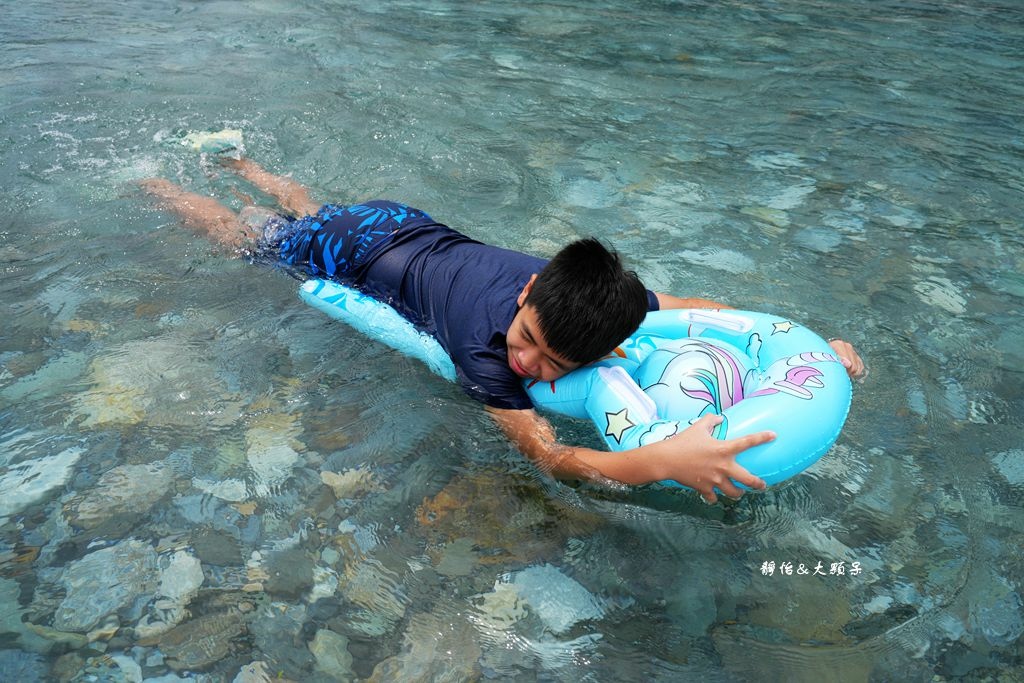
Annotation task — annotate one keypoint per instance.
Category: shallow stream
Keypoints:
(201, 478)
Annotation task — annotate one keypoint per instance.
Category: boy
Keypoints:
(502, 316)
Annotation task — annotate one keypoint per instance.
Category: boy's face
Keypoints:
(529, 356)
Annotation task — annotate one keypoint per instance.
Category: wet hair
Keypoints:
(586, 303)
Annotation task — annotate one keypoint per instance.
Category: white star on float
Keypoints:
(617, 424)
(782, 327)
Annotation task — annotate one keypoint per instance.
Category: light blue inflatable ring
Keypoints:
(759, 371)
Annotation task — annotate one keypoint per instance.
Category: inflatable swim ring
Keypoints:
(759, 371)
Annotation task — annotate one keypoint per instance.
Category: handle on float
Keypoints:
(673, 324)
(627, 417)
(569, 394)
(720, 320)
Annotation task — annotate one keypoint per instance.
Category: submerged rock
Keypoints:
(325, 585)
(163, 380)
(436, 648)
(458, 558)
(775, 161)
(720, 259)
(217, 547)
(351, 483)
(996, 613)
(51, 378)
(559, 600)
(942, 293)
(124, 490)
(271, 466)
(371, 585)
(112, 668)
(201, 642)
(289, 573)
(767, 214)
(103, 582)
(255, 672)
(815, 610)
(180, 579)
(590, 194)
(332, 656)
(270, 451)
(63, 639)
(1010, 464)
(231, 489)
(504, 522)
(499, 609)
(31, 480)
(690, 601)
(274, 632)
(11, 623)
(21, 666)
(818, 239)
(530, 612)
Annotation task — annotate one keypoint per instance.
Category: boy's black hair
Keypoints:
(586, 303)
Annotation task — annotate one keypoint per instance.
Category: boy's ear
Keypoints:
(526, 290)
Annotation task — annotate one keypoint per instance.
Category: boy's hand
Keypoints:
(705, 463)
(848, 357)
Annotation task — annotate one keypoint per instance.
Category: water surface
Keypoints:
(203, 479)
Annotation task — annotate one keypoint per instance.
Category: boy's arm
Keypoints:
(693, 458)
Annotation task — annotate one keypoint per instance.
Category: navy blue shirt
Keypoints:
(460, 291)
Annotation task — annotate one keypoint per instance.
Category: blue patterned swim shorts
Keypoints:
(337, 238)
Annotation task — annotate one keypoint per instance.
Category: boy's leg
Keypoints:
(202, 214)
(292, 196)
